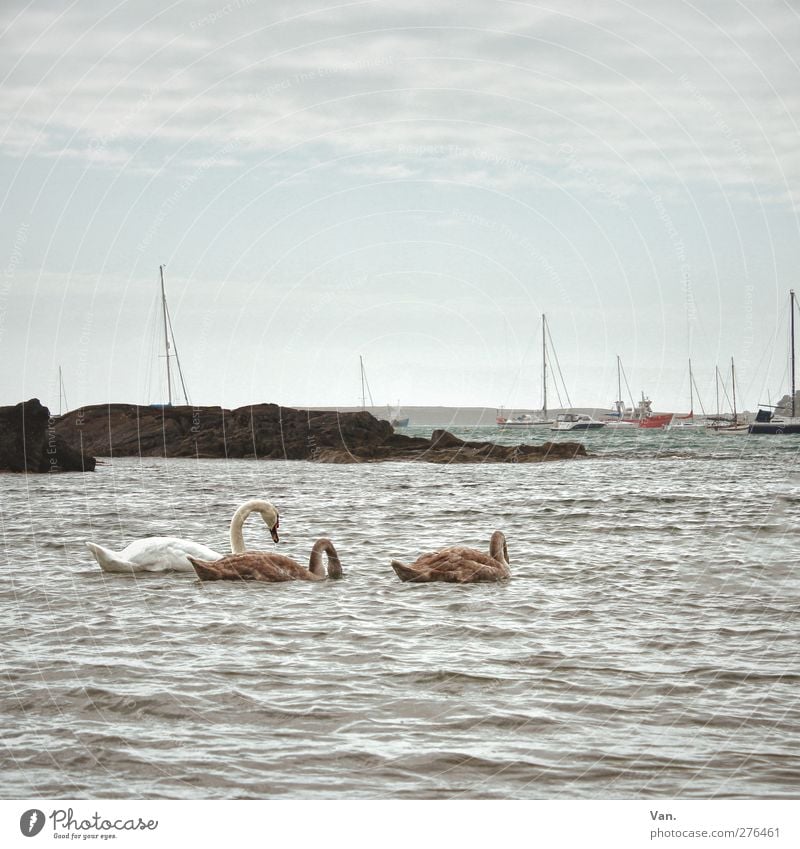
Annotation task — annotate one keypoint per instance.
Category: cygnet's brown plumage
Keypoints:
(459, 565)
(264, 566)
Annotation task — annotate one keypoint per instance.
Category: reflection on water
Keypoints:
(646, 646)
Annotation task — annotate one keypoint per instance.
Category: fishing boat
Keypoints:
(637, 415)
(771, 423)
(526, 420)
(576, 421)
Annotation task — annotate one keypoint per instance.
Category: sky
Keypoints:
(411, 182)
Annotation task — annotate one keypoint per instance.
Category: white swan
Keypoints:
(171, 554)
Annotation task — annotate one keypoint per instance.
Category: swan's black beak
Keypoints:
(274, 533)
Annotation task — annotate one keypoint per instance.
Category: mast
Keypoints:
(791, 308)
(166, 334)
(691, 390)
(544, 367)
(363, 393)
(716, 387)
(62, 394)
(733, 390)
(620, 404)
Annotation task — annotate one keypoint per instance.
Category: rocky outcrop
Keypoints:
(30, 442)
(267, 431)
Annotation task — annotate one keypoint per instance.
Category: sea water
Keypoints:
(646, 646)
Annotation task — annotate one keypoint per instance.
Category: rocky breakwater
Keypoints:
(31, 442)
(270, 432)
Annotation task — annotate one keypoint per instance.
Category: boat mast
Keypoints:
(166, 334)
(62, 393)
(363, 390)
(544, 367)
(691, 391)
(791, 308)
(620, 404)
(733, 390)
(716, 387)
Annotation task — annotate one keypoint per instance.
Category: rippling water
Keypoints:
(646, 646)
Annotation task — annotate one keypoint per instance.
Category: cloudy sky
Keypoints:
(412, 181)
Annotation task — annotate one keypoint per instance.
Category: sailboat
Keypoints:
(62, 393)
(689, 420)
(775, 424)
(731, 427)
(616, 418)
(394, 416)
(169, 346)
(526, 420)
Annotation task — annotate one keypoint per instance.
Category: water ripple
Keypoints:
(647, 645)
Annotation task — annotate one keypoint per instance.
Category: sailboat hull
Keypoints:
(775, 428)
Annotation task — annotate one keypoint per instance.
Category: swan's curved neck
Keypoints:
(268, 512)
(498, 548)
(324, 546)
(237, 528)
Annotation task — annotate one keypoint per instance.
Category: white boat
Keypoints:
(576, 421)
(690, 422)
(776, 424)
(526, 420)
(396, 418)
(393, 414)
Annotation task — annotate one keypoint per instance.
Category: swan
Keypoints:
(458, 564)
(263, 566)
(170, 554)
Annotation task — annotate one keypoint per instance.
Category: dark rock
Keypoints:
(267, 431)
(30, 442)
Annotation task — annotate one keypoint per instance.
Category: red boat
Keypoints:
(656, 420)
(641, 415)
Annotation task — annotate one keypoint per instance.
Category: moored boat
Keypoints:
(576, 421)
(526, 420)
(769, 423)
(639, 415)
(774, 424)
